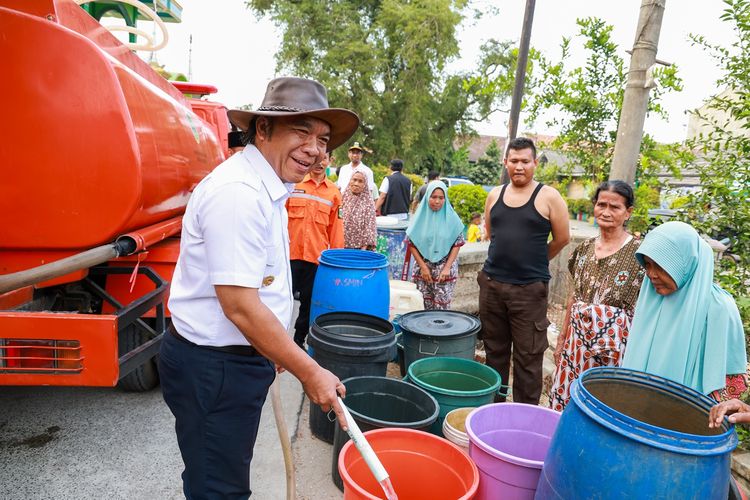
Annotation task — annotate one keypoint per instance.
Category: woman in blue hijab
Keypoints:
(435, 234)
(686, 328)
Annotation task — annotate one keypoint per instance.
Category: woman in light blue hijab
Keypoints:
(435, 234)
(686, 328)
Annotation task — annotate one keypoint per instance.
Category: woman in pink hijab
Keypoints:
(360, 230)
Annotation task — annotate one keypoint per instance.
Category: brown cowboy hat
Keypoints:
(289, 96)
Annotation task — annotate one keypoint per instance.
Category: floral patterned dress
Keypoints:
(438, 295)
(604, 297)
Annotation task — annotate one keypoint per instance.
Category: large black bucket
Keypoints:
(379, 402)
(349, 345)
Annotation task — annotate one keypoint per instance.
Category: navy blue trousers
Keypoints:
(303, 277)
(216, 399)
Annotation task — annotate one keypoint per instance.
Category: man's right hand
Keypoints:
(323, 388)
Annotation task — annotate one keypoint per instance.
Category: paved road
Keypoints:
(90, 443)
(80, 443)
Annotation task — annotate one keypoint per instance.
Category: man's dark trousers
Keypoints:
(517, 317)
(216, 399)
(303, 277)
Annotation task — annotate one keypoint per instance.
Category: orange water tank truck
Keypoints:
(99, 155)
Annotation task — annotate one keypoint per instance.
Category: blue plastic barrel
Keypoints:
(351, 281)
(627, 434)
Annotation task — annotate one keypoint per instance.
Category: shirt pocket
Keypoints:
(322, 214)
(273, 254)
(296, 208)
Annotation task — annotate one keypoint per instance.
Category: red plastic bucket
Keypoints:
(421, 466)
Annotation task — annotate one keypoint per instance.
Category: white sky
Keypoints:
(235, 52)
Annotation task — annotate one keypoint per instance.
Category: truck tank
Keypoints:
(99, 155)
(94, 143)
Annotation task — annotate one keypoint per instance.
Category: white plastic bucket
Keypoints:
(454, 427)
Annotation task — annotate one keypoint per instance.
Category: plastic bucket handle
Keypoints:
(436, 344)
(506, 393)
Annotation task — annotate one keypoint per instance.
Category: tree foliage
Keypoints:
(585, 102)
(488, 169)
(387, 59)
(722, 205)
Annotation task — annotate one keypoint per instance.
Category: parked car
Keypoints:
(455, 181)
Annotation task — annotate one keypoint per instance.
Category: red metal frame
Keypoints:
(98, 347)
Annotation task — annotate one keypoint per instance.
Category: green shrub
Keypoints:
(579, 205)
(646, 197)
(379, 172)
(467, 199)
(679, 202)
(417, 181)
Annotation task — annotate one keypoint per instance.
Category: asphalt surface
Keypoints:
(93, 443)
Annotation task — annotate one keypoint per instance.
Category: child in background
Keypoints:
(474, 234)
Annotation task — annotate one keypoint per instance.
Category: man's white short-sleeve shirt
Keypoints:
(345, 175)
(234, 232)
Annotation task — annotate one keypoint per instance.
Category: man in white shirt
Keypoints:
(355, 164)
(231, 296)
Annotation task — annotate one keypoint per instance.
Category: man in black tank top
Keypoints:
(513, 283)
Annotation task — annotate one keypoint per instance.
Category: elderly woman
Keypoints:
(435, 235)
(606, 281)
(686, 328)
(360, 230)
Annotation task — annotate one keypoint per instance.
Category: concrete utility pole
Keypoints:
(635, 101)
(523, 57)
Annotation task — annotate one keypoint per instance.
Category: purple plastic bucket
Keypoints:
(508, 443)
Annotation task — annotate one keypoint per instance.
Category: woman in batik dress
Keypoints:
(606, 281)
(435, 235)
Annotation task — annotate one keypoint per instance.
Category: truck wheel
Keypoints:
(145, 377)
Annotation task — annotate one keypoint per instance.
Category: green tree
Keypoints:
(722, 205)
(585, 102)
(386, 59)
(487, 169)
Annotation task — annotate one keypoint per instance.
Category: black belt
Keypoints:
(241, 350)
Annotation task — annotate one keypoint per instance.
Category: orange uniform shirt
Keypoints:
(314, 219)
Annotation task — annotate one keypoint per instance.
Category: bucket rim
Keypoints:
(393, 381)
(334, 315)
(449, 392)
(319, 336)
(349, 258)
(479, 442)
(651, 435)
(347, 479)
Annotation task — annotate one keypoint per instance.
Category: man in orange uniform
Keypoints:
(314, 225)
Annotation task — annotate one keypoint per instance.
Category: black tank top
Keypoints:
(518, 246)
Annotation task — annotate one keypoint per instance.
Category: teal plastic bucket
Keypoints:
(350, 280)
(449, 334)
(454, 383)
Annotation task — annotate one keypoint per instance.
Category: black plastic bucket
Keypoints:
(349, 345)
(438, 333)
(379, 402)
